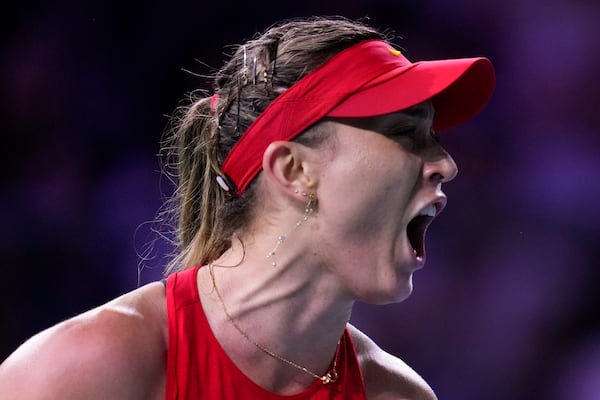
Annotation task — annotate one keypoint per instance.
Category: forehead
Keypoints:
(419, 116)
(423, 110)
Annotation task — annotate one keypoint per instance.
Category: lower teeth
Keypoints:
(418, 257)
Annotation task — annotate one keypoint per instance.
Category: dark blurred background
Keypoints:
(507, 306)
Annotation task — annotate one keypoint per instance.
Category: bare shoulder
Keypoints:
(386, 376)
(115, 351)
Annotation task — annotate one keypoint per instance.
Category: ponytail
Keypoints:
(205, 131)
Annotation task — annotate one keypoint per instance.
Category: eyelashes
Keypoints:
(413, 132)
(408, 132)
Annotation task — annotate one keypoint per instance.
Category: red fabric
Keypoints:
(213, 103)
(198, 368)
(367, 79)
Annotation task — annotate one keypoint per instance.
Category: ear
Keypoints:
(288, 166)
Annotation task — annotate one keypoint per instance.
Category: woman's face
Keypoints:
(379, 189)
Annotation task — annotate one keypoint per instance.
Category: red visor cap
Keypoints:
(458, 88)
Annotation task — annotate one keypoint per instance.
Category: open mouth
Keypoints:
(416, 234)
(416, 228)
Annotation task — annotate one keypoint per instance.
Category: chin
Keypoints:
(392, 294)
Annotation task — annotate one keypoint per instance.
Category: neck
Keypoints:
(291, 309)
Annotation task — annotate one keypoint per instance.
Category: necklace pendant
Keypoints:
(330, 377)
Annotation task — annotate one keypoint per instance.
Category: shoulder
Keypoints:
(116, 351)
(387, 376)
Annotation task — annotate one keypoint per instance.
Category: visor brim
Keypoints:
(458, 88)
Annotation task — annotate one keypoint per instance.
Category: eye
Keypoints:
(409, 132)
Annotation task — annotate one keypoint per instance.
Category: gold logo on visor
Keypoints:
(394, 52)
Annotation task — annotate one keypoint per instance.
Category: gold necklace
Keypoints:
(331, 375)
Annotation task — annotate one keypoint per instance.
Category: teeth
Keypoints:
(420, 258)
(430, 211)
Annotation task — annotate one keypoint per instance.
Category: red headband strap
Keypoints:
(305, 103)
(361, 70)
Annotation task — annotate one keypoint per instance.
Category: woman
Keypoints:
(306, 182)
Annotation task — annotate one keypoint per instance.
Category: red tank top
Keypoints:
(198, 368)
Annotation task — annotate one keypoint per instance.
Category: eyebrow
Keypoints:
(423, 110)
(419, 116)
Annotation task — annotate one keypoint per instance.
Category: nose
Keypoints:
(439, 166)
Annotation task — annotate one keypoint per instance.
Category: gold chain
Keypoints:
(329, 377)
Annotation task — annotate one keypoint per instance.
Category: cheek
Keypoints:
(364, 198)
(367, 185)
(352, 187)
(388, 184)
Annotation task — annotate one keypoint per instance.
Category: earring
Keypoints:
(308, 209)
(282, 238)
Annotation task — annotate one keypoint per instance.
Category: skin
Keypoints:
(355, 249)
(395, 176)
